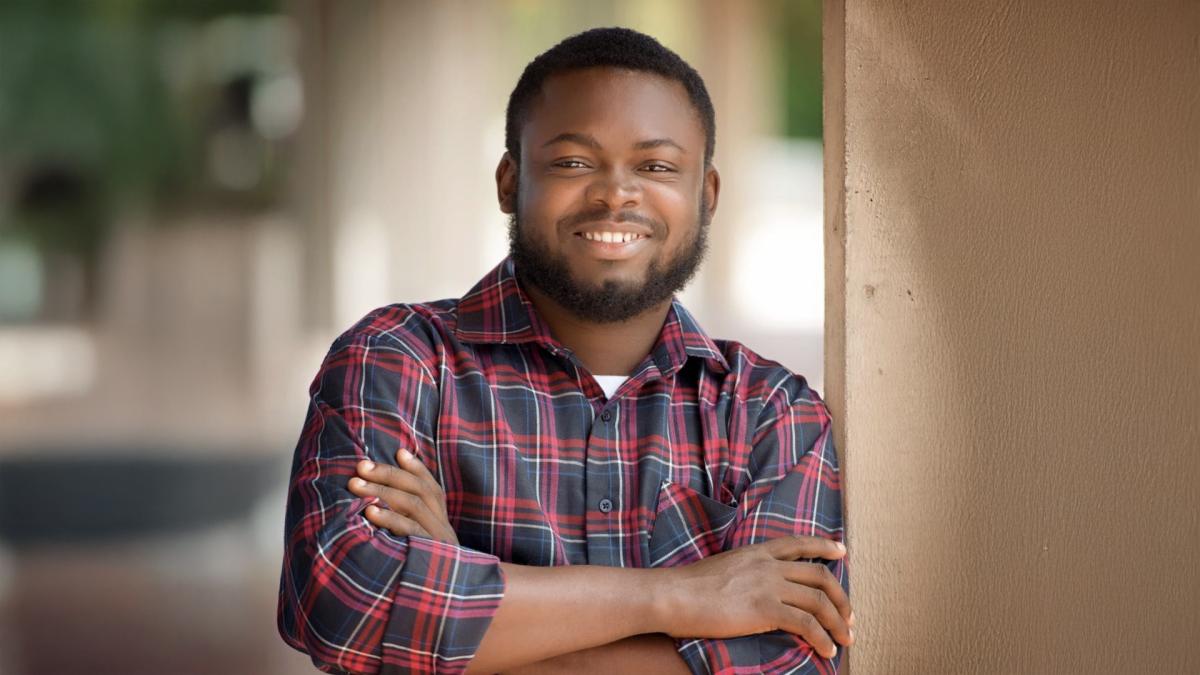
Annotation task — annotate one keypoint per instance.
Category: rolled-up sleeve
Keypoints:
(795, 490)
(356, 598)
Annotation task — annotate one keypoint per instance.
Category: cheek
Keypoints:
(681, 213)
(549, 202)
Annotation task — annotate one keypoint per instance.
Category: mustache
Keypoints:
(602, 214)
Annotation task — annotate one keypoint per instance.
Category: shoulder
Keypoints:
(765, 384)
(416, 331)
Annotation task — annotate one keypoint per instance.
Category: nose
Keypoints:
(616, 189)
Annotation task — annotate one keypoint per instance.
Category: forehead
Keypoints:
(622, 106)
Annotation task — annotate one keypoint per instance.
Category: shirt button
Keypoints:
(605, 505)
(606, 416)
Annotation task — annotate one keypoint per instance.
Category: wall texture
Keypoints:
(1013, 341)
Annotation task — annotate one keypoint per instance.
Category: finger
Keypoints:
(817, 575)
(791, 548)
(799, 622)
(408, 461)
(409, 505)
(394, 522)
(401, 479)
(815, 602)
(397, 500)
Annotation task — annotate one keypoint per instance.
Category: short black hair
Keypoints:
(612, 48)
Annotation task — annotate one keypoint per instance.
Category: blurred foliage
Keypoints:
(796, 28)
(87, 121)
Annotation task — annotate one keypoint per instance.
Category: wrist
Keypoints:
(661, 591)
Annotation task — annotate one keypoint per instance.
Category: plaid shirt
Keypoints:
(706, 447)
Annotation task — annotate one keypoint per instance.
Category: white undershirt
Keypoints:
(610, 383)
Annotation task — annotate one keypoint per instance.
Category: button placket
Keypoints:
(603, 545)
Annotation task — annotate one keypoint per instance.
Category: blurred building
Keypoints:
(195, 201)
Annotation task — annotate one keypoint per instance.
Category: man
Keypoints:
(560, 471)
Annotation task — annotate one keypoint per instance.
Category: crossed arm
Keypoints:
(602, 619)
(361, 592)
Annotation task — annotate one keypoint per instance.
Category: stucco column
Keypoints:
(1013, 341)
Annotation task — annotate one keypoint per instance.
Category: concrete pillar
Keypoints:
(403, 134)
(1013, 340)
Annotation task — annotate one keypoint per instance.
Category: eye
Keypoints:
(658, 167)
(570, 164)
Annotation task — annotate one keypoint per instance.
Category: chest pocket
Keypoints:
(688, 526)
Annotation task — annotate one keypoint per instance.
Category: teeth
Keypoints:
(612, 237)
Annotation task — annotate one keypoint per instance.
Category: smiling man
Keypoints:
(560, 471)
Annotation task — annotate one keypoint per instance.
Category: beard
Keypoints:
(611, 301)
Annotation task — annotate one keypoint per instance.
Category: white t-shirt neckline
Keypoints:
(610, 383)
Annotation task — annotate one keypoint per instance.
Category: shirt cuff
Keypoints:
(444, 602)
(773, 652)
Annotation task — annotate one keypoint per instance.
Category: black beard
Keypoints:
(612, 301)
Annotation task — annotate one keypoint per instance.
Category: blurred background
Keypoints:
(197, 197)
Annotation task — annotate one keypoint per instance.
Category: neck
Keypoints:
(604, 348)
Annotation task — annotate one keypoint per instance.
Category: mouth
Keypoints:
(613, 241)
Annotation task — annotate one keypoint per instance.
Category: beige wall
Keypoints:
(1013, 341)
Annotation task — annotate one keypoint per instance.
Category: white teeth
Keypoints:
(612, 237)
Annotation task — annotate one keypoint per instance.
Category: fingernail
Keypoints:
(850, 620)
(834, 652)
(369, 465)
(358, 482)
(372, 510)
(405, 454)
(851, 631)
(841, 547)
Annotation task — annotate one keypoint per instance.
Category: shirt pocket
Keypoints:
(688, 526)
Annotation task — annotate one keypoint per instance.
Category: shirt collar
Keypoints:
(497, 311)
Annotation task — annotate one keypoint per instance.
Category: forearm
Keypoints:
(653, 653)
(548, 612)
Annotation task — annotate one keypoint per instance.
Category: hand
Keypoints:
(762, 587)
(416, 501)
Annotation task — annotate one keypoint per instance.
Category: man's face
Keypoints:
(611, 202)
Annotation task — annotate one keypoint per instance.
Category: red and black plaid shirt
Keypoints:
(707, 446)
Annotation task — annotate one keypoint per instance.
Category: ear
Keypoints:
(712, 187)
(506, 184)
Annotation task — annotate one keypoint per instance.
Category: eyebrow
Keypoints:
(658, 143)
(591, 142)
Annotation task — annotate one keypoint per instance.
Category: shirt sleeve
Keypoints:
(353, 597)
(795, 489)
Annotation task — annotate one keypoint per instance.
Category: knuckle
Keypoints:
(412, 503)
(814, 599)
(827, 579)
(383, 474)
(815, 571)
(825, 605)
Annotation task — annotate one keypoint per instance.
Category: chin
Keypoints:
(618, 281)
